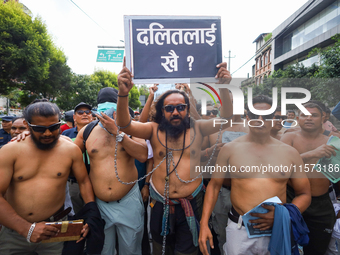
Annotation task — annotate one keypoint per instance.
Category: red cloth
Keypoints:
(64, 127)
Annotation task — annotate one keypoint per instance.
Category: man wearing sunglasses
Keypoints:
(33, 174)
(172, 129)
(249, 189)
(82, 116)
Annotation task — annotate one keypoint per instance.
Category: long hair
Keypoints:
(158, 115)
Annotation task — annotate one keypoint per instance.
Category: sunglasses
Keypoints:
(265, 117)
(42, 129)
(214, 112)
(171, 108)
(81, 112)
(283, 117)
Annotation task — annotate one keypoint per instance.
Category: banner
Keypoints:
(170, 49)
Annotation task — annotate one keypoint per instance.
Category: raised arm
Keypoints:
(147, 107)
(137, 129)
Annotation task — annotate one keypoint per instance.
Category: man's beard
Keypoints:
(45, 146)
(174, 131)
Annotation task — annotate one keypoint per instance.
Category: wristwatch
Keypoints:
(120, 137)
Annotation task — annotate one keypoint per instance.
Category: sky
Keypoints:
(79, 34)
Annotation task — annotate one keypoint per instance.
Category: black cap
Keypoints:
(69, 115)
(7, 118)
(82, 104)
(107, 94)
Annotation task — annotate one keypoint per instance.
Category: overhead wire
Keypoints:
(88, 15)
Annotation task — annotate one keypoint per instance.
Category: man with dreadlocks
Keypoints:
(176, 139)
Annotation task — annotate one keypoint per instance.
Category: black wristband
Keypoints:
(123, 96)
(147, 183)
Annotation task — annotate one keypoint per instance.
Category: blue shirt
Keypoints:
(4, 137)
(71, 133)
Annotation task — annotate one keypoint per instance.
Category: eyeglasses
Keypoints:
(214, 112)
(81, 112)
(171, 108)
(265, 117)
(283, 117)
(42, 129)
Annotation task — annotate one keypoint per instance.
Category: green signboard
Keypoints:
(110, 56)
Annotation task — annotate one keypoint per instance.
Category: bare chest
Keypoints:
(45, 166)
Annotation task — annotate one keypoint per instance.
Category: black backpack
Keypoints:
(86, 134)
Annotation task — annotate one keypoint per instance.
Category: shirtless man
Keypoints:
(250, 189)
(311, 144)
(223, 203)
(33, 174)
(121, 206)
(171, 129)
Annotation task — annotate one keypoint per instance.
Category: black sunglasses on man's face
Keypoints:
(42, 129)
(81, 112)
(171, 108)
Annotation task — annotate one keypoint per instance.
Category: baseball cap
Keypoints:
(82, 104)
(7, 118)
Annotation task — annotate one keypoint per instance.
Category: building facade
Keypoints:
(313, 25)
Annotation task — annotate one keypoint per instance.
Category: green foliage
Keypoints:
(82, 89)
(322, 81)
(267, 37)
(106, 78)
(28, 58)
(144, 90)
(134, 98)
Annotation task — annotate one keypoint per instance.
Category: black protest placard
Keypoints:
(174, 48)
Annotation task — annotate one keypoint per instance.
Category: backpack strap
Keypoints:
(88, 130)
(86, 134)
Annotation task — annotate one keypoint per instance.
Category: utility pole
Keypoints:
(229, 60)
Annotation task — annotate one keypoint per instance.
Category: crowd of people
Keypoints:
(131, 177)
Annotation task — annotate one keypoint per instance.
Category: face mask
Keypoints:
(109, 112)
(106, 106)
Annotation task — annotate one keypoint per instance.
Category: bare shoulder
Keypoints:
(290, 136)
(12, 147)
(237, 143)
(68, 146)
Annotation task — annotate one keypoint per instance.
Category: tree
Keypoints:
(328, 86)
(106, 78)
(144, 90)
(134, 98)
(82, 89)
(24, 47)
(28, 58)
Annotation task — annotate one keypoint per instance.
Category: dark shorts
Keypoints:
(180, 238)
(320, 219)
